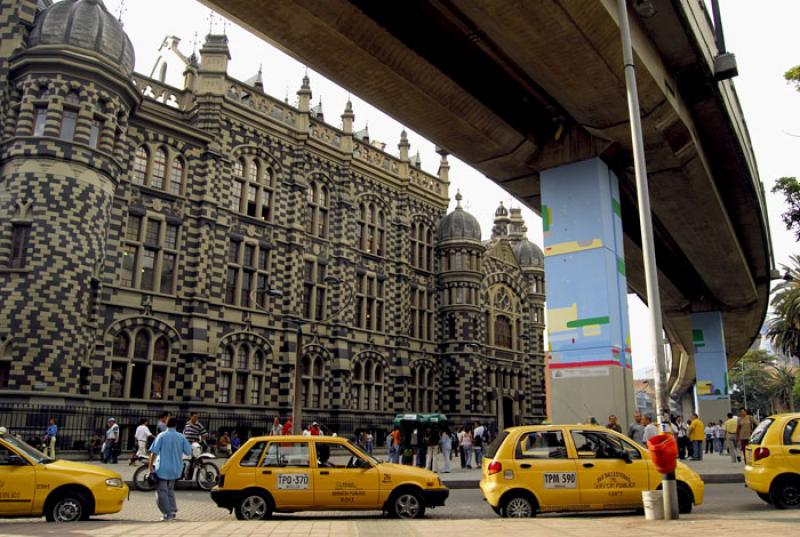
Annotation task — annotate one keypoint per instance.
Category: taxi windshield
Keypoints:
(25, 448)
(361, 453)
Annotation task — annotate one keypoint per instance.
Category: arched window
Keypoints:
(121, 344)
(358, 386)
(253, 188)
(240, 376)
(141, 347)
(313, 381)
(317, 200)
(421, 390)
(238, 168)
(421, 246)
(140, 158)
(159, 171)
(377, 388)
(502, 331)
(69, 118)
(371, 229)
(176, 176)
(141, 371)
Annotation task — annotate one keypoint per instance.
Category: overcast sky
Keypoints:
(761, 34)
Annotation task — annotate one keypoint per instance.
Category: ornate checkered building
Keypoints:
(142, 227)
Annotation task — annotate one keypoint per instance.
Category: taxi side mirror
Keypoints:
(363, 464)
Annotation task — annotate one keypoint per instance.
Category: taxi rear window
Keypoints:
(791, 435)
(541, 445)
(495, 445)
(761, 430)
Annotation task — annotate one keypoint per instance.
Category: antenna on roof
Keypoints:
(194, 44)
(225, 24)
(212, 19)
(121, 10)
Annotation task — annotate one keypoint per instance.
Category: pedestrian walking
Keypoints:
(745, 425)
(161, 426)
(396, 449)
(50, 439)
(731, 426)
(368, 442)
(287, 427)
(719, 437)
(460, 446)
(224, 445)
(683, 438)
(696, 436)
(709, 432)
(466, 442)
(277, 428)
(166, 460)
(636, 429)
(109, 454)
(650, 430)
(236, 442)
(446, 447)
(478, 441)
(194, 431)
(612, 424)
(142, 435)
(432, 446)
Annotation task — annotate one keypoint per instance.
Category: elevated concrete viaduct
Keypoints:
(519, 88)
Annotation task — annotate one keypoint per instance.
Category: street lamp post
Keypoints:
(669, 485)
(297, 395)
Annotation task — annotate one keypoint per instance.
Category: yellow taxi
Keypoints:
(772, 461)
(32, 485)
(549, 468)
(303, 473)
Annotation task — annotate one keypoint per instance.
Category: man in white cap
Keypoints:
(110, 445)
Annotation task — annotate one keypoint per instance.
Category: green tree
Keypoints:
(792, 76)
(750, 376)
(784, 326)
(790, 188)
(781, 386)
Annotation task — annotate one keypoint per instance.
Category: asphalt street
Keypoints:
(722, 501)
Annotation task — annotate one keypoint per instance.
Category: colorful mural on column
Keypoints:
(587, 308)
(710, 356)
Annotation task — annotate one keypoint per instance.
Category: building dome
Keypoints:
(459, 225)
(86, 24)
(501, 211)
(528, 254)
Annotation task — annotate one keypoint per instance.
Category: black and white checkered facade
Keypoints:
(193, 341)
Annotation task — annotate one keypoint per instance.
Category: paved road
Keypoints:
(731, 501)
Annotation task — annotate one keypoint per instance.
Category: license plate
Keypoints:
(293, 481)
(559, 480)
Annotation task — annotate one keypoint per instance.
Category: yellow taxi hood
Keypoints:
(79, 468)
(403, 471)
(685, 471)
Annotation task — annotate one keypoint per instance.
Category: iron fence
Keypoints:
(82, 428)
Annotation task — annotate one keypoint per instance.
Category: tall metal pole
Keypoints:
(744, 384)
(669, 486)
(297, 401)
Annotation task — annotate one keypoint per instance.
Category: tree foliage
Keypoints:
(784, 326)
(790, 188)
(769, 386)
(792, 76)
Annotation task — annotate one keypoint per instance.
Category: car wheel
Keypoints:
(518, 506)
(140, 481)
(69, 507)
(207, 476)
(407, 504)
(254, 506)
(764, 497)
(684, 501)
(785, 494)
(497, 510)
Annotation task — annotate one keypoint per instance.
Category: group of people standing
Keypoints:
(695, 437)
(467, 444)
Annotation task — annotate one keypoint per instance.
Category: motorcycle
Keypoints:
(197, 467)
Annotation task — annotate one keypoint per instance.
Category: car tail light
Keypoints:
(494, 467)
(760, 453)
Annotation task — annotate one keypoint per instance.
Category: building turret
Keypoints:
(501, 222)
(61, 168)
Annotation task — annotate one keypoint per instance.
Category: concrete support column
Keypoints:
(587, 310)
(711, 394)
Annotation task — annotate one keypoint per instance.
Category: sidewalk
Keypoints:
(577, 526)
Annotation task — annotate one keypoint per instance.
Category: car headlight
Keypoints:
(114, 482)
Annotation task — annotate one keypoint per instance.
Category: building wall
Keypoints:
(79, 327)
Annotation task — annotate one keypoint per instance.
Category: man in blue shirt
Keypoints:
(166, 455)
(50, 441)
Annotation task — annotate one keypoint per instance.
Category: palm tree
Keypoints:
(781, 386)
(784, 327)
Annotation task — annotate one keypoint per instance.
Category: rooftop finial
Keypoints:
(121, 10)
(212, 20)
(459, 197)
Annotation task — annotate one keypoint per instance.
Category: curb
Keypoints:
(179, 485)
